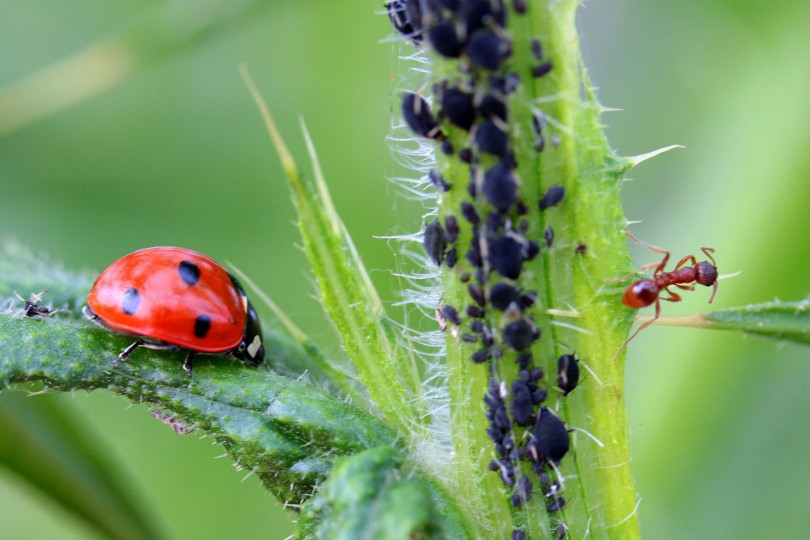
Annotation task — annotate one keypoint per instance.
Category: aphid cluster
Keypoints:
(488, 239)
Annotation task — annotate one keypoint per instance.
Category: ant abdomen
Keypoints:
(641, 294)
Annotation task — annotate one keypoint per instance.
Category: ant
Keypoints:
(645, 292)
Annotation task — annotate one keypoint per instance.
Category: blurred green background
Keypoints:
(177, 154)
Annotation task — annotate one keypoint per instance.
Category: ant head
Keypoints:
(706, 273)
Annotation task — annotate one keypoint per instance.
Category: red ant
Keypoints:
(645, 292)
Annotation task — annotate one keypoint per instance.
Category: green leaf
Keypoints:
(784, 321)
(372, 495)
(47, 446)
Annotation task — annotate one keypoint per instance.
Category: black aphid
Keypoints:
(549, 438)
(470, 213)
(469, 338)
(465, 155)
(516, 500)
(524, 488)
(527, 300)
(542, 70)
(486, 50)
(480, 356)
(552, 197)
(518, 335)
(505, 257)
(451, 314)
(444, 39)
(518, 534)
(549, 236)
(556, 505)
(494, 223)
(501, 295)
(521, 403)
(536, 374)
(474, 15)
(524, 360)
(501, 420)
(477, 294)
(475, 312)
(451, 258)
(438, 180)
(473, 255)
(416, 113)
(530, 250)
(464, 277)
(490, 139)
(399, 18)
(567, 373)
(496, 352)
(537, 49)
(447, 147)
(451, 228)
(435, 241)
(539, 396)
(491, 106)
(500, 187)
(458, 108)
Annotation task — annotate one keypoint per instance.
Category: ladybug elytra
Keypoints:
(170, 298)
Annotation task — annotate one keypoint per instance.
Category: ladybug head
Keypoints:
(251, 349)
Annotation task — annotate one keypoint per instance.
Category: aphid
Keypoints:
(451, 258)
(539, 396)
(473, 254)
(645, 292)
(447, 147)
(451, 315)
(581, 249)
(518, 335)
(502, 294)
(416, 113)
(494, 223)
(170, 298)
(444, 39)
(474, 14)
(567, 373)
(552, 197)
(520, 6)
(491, 107)
(542, 69)
(521, 403)
(505, 256)
(530, 250)
(549, 236)
(470, 213)
(458, 108)
(451, 227)
(480, 356)
(549, 438)
(486, 50)
(477, 294)
(516, 500)
(556, 505)
(469, 338)
(438, 180)
(435, 242)
(491, 139)
(537, 49)
(475, 312)
(399, 18)
(31, 307)
(465, 155)
(499, 187)
(518, 534)
(524, 488)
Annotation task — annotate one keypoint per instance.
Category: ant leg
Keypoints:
(640, 328)
(673, 297)
(126, 352)
(714, 292)
(685, 260)
(188, 364)
(708, 251)
(660, 266)
(685, 287)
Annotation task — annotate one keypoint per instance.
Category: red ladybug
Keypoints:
(173, 297)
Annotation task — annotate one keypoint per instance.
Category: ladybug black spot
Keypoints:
(190, 272)
(201, 326)
(131, 301)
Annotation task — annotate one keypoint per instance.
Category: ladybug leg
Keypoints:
(126, 352)
(188, 364)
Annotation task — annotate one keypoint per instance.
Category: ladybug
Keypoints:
(171, 298)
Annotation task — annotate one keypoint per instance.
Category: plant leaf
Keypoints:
(785, 321)
(371, 495)
(45, 445)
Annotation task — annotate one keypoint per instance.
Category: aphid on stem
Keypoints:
(645, 292)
